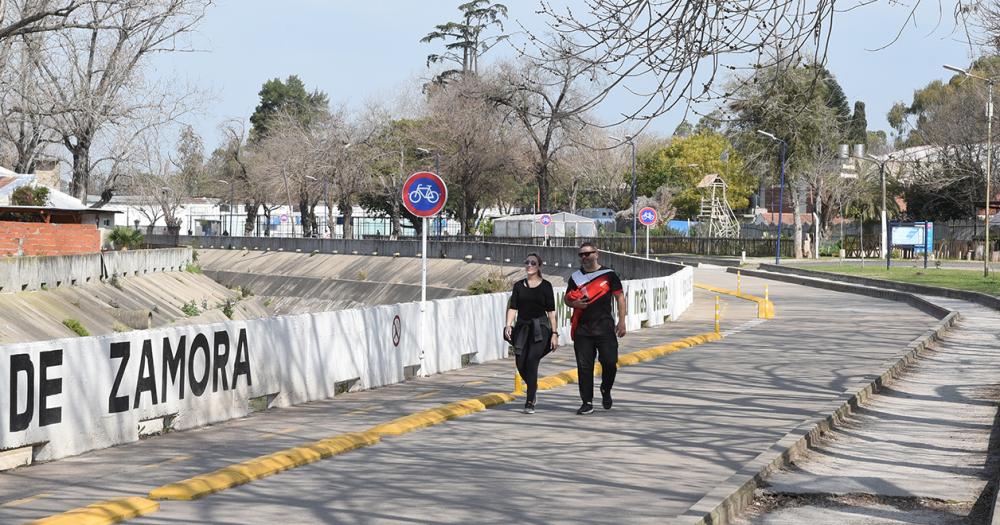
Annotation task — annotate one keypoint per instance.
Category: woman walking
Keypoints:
(531, 316)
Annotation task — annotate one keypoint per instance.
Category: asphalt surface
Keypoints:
(680, 426)
(917, 452)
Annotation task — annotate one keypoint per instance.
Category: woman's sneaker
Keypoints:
(585, 409)
(529, 408)
(606, 399)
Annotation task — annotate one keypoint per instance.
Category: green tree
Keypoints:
(683, 129)
(30, 196)
(190, 161)
(288, 97)
(680, 166)
(466, 40)
(857, 132)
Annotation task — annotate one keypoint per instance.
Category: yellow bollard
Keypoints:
(739, 284)
(717, 314)
(518, 383)
(767, 302)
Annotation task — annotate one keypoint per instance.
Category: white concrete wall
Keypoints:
(19, 274)
(68, 396)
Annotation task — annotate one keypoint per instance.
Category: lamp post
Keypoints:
(635, 219)
(987, 255)
(881, 175)
(781, 191)
(229, 222)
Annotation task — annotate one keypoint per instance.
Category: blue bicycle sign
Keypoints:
(647, 216)
(424, 194)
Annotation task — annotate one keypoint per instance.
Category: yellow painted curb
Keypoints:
(429, 417)
(765, 308)
(111, 511)
(495, 398)
(263, 466)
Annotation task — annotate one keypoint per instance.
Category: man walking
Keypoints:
(595, 333)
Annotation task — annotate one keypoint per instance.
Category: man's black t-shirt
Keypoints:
(532, 302)
(597, 318)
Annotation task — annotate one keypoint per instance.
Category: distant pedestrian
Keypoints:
(531, 317)
(589, 292)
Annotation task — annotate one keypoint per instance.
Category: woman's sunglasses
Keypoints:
(530, 263)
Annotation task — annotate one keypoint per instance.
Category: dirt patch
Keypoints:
(944, 512)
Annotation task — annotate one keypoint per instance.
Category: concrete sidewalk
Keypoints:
(918, 452)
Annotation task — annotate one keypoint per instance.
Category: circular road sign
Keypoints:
(545, 219)
(284, 218)
(396, 330)
(424, 194)
(647, 216)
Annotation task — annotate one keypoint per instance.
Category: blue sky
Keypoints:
(359, 50)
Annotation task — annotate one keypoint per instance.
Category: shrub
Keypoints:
(125, 237)
(30, 196)
(494, 281)
(192, 268)
(228, 308)
(362, 275)
(190, 309)
(76, 327)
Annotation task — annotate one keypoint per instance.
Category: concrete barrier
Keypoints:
(19, 274)
(69, 396)
(627, 266)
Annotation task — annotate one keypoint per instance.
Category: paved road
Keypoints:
(916, 453)
(680, 426)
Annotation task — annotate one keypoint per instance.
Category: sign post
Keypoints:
(648, 217)
(424, 195)
(546, 220)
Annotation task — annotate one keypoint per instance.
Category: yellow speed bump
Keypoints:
(111, 511)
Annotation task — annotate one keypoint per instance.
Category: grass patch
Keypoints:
(192, 268)
(190, 309)
(493, 282)
(971, 280)
(76, 327)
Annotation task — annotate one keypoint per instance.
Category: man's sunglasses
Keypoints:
(584, 254)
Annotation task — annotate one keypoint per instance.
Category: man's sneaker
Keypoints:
(529, 408)
(585, 408)
(606, 399)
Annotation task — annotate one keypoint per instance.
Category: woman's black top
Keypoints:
(532, 302)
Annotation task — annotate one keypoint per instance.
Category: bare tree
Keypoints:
(544, 99)
(595, 168)
(26, 17)
(25, 125)
(475, 142)
(93, 71)
(680, 44)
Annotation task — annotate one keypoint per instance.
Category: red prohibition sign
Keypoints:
(396, 330)
(424, 194)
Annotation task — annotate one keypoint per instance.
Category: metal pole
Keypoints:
(781, 203)
(881, 173)
(423, 269)
(635, 219)
(647, 241)
(288, 195)
(437, 171)
(232, 215)
(989, 168)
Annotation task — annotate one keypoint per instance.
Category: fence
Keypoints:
(34, 273)
(629, 267)
(72, 395)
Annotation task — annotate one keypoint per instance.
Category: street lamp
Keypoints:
(989, 156)
(781, 192)
(881, 175)
(230, 221)
(635, 218)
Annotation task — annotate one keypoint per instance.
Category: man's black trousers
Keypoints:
(605, 348)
